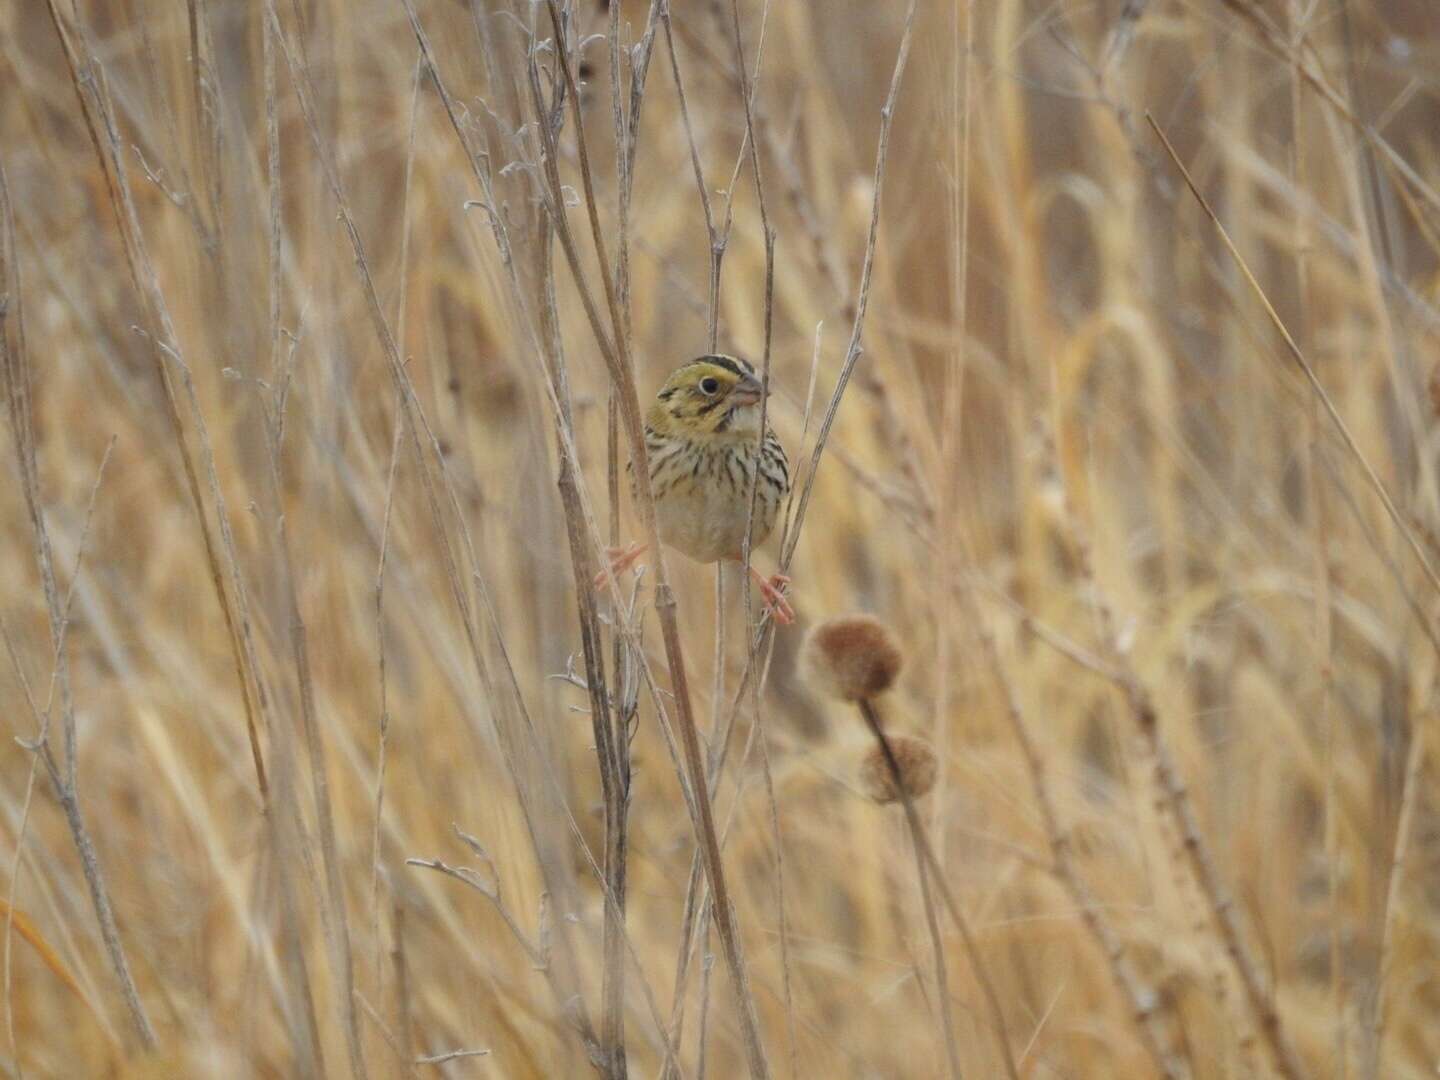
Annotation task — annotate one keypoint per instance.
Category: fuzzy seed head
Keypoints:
(852, 657)
(917, 769)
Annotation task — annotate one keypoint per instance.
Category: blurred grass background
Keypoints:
(1063, 368)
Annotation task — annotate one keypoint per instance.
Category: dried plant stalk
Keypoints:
(64, 771)
(1142, 999)
(622, 375)
(925, 853)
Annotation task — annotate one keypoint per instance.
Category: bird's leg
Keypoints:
(620, 560)
(772, 591)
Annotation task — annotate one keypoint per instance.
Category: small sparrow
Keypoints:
(704, 454)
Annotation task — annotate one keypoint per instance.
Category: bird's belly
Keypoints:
(703, 521)
(702, 498)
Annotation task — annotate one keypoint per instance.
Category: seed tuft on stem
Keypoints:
(917, 764)
(852, 657)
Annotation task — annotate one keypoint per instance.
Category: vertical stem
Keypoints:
(622, 374)
(612, 976)
(337, 923)
(932, 922)
(1142, 998)
(1315, 490)
(957, 914)
(105, 913)
(717, 698)
(937, 943)
(948, 482)
(64, 776)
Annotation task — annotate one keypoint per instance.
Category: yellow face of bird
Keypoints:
(710, 396)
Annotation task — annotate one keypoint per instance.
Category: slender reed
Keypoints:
(64, 769)
(856, 659)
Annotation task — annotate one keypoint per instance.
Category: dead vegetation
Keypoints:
(1103, 339)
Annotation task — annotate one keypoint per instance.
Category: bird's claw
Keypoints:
(619, 560)
(772, 591)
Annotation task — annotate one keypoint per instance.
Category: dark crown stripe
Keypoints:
(729, 363)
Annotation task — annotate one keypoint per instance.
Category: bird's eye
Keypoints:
(710, 384)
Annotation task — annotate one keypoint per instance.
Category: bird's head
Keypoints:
(710, 396)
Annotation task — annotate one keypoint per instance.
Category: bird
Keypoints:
(702, 439)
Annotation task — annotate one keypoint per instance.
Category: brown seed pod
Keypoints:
(917, 763)
(852, 657)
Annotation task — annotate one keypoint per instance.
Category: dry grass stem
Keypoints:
(63, 770)
(925, 854)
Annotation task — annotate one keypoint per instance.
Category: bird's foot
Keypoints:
(772, 592)
(620, 559)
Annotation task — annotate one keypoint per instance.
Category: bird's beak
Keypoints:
(747, 391)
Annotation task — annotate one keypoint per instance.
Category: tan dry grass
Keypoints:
(1122, 401)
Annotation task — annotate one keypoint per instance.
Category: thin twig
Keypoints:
(926, 853)
(748, 90)
(41, 717)
(336, 921)
(1142, 999)
(415, 422)
(1303, 59)
(790, 534)
(949, 463)
(383, 725)
(64, 778)
(91, 89)
(622, 374)
(1299, 357)
(1399, 860)
(614, 783)
(451, 1055)
(480, 160)
(1174, 797)
(391, 1039)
